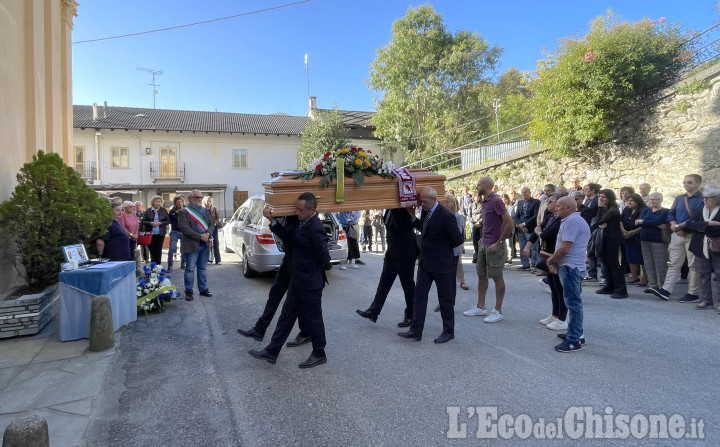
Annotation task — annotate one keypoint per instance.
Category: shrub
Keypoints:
(692, 87)
(51, 207)
(682, 106)
(585, 87)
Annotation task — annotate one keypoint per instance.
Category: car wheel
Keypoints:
(247, 271)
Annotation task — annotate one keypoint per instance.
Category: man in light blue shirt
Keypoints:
(568, 262)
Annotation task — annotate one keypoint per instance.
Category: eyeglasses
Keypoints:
(194, 197)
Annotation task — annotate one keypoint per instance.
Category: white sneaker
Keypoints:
(342, 266)
(558, 325)
(548, 320)
(353, 266)
(494, 317)
(475, 312)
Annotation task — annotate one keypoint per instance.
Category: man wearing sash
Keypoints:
(196, 227)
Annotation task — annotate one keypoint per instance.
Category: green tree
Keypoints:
(588, 84)
(429, 79)
(51, 207)
(324, 132)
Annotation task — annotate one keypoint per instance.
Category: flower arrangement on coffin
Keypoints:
(354, 161)
(154, 289)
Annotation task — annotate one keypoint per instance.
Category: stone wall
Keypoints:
(28, 314)
(673, 135)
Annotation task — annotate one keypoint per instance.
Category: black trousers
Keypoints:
(558, 299)
(392, 268)
(476, 235)
(305, 305)
(156, 248)
(216, 246)
(615, 279)
(446, 288)
(277, 291)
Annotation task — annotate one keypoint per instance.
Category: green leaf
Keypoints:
(359, 178)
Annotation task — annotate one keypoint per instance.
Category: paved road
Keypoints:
(184, 377)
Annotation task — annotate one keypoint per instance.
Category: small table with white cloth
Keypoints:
(79, 287)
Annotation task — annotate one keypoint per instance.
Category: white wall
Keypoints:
(207, 157)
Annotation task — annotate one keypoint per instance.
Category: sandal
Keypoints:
(642, 285)
(464, 286)
(633, 281)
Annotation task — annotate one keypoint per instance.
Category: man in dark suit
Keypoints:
(526, 217)
(438, 263)
(399, 261)
(307, 280)
(277, 291)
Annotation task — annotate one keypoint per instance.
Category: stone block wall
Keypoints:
(674, 135)
(28, 314)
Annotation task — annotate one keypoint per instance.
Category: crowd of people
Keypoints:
(133, 221)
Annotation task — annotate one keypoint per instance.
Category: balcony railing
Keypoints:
(86, 170)
(167, 170)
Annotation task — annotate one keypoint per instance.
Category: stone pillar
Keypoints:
(102, 333)
(27, 431)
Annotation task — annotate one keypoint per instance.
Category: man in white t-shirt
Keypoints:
(568, 262)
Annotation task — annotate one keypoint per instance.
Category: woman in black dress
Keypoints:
(612, 237)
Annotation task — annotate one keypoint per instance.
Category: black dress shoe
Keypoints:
(367, 314)
(188, 296)
(359, 262)
(252, 333)
(411, 335)
(263, 355)
(619, 296)
(313, 360)
(604, 291)
(405, 323)
(297, 342)
(206, 292)
(444, 338)
(437, 309)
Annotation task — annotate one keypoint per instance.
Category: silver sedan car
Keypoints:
(248, 234)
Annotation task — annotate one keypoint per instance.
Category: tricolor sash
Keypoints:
(198, 218)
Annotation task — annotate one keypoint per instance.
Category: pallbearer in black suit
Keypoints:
(438, 263)
(399, 261)
(307, 280)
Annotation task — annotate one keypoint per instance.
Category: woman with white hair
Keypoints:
(705, 243)
(653, 220)
(156, 219)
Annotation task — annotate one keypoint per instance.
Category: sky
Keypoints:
(255, 63)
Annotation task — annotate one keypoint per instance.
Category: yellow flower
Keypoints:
(346, 151)
(358, 162)
(362, 153)
(367, 163)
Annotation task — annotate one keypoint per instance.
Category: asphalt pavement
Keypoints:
(184, 377)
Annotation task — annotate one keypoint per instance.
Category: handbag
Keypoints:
(714, 245)
(144, 238)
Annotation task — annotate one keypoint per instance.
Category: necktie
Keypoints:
(425, 221)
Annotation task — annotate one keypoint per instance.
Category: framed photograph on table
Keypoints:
(76, 252)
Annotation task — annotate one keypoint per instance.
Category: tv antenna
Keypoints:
(153, 73)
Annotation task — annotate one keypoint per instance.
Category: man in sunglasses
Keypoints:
(196, 227)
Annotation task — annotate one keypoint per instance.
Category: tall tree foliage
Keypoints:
(588, 84)
(325, 132)
(430, 80)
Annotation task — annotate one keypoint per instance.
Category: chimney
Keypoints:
(313, 102)
(94, 111)
(105, 110)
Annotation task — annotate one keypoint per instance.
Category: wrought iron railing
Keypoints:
(167, 169)
(86, 170)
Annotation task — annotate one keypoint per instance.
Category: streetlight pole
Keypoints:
(496, 106)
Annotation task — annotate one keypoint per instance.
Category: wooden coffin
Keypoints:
(282, 192)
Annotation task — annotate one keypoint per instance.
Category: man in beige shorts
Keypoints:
(492, 251)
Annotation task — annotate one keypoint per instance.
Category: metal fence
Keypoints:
(86, 170)
(167, 169)
(474, 157)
